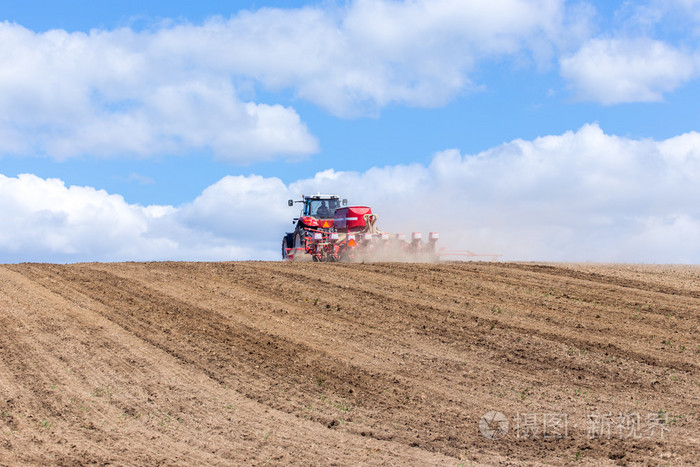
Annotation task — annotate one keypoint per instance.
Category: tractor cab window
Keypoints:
(323, 208)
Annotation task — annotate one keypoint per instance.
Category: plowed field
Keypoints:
(254, 362)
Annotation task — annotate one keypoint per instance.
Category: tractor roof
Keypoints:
(320, 196)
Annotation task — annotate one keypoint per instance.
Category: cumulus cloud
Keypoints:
(44, 220)
(579, 196)
(252, 207)
(108, 93)
(177, 88)
(650, 50)
(646, 16)
(613, 71)
(43, 216)
(360, 58)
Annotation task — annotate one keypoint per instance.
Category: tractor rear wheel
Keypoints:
(300, 253)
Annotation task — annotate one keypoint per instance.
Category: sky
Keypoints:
(542, 130)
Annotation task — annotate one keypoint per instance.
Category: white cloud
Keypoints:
(578, 196)
(44, 220)
(107, 93)
(612, 71)
(251, 208)
(47, 216)
(649, 51)
(174, 89)
(646, 16)
(357, 59)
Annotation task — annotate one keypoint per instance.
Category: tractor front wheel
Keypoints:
(285, 247)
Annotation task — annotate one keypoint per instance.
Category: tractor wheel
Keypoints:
(285, 247)
(300, 249)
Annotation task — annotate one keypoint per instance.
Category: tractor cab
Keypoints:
(319, 206)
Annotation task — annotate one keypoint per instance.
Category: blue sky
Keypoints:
(150, 131)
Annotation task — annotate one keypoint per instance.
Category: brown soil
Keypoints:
(253, 362)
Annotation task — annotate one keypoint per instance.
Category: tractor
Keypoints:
(329, 230)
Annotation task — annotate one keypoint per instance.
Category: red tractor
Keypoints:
(330, 230)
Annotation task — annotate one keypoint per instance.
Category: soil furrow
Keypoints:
(386, 363)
